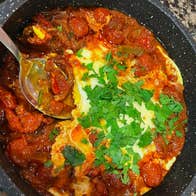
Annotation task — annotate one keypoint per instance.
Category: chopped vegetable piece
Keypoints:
(179, 134)
(60, 28)
(73, 156)
(53, 134)
(145, 139)
(39, 32)
(84, 141)
(79, 53)
(48, 163)
(108, 57)
(40, 97)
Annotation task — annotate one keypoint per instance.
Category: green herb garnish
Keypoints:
(60, 28)
(79, 53)
(145, 139)
(40, 97)
(115, 105)
(48, 163)
(73, 156)
(179, 134)
(84, 141)
(53, 134)
(108, 57)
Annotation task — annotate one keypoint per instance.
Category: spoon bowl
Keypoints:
(34, 79)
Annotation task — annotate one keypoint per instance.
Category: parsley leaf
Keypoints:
(60, 28)
(48, 163)
(179, 134)
(40, 97)
(85, 76)
(100, 137)
(79, 53)
(145, 139)
(135, 169)
(89, 66)
(172, 105)
(108, 56)
(73, 156)
(84, 141)
(53, 134)
(125, 176)
(121, 67)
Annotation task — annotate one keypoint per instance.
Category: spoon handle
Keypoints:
(9, 44)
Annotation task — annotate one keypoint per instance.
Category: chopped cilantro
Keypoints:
(179, 134)
(60, 28)
(40, 97)
(84, 141)
(122, 128)
(100, 137)
(85, 121)
(172, 105)
(125, 176)
(121, 67)
(135, 169)
(79, 53)
(73, 156)
(53, 134)
(145, 139)
(85, 76)
(171, 124)
(48, 163)
(89, 66)
(108, 57)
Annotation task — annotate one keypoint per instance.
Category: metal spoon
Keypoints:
(32, 72)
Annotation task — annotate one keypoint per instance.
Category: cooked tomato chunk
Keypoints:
(59, 83)
(56, 107)
(145, 64)
(114, 36)
(79, 26)
(151, 173)
(101, 15)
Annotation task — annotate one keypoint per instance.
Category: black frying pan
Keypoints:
(181, 180)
